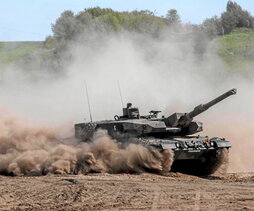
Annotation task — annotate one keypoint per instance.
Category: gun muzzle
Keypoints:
(203, 107)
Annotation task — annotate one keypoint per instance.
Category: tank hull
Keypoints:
(195, 155)
(199, 156)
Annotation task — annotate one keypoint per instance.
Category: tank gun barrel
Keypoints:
(203, 107)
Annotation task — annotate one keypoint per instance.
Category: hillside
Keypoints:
(236, 49)
(13, 51)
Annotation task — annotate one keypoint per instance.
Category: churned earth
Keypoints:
(173, 191)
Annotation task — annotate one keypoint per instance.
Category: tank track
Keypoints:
(214, 162)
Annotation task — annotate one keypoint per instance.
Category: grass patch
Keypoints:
(12, 51)
(237, 49)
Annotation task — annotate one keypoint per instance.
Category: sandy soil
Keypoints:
(127, 192)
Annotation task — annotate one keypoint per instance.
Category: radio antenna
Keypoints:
(119, 88)
(88, 103)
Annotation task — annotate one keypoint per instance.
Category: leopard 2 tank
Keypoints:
(193, 154)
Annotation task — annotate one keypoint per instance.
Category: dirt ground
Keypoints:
(127, 192)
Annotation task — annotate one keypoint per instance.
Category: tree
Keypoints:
(235, 17)
(66, 27)
(84, 18)
(97, 11)
(212, 26)
(173, 18)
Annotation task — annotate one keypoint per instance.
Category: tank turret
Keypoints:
(185, 122)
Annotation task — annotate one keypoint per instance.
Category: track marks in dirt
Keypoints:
(127, 192)
(156, 197)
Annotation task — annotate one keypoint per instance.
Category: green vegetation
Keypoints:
(233, 18)
(70, 26)
(233, 31)
(13, 51)
(237, 48)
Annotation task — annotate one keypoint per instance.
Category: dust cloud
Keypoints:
(28, 147)
(172, 73)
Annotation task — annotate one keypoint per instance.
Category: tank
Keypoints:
(192, 154)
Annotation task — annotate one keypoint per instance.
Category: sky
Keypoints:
(30, 20)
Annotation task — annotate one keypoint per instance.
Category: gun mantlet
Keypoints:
(185, 122)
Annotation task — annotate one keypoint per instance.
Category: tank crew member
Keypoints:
(129, 105)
